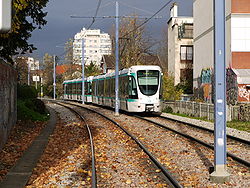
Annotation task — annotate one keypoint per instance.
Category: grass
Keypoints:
(239, 125)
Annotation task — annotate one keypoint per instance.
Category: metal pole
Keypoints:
(36, 81)
(83, 86)
(116, 59)
(28, 74)
(41, 87)
(220, 175)
(54, 76)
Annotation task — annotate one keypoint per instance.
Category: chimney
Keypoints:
(174, 10)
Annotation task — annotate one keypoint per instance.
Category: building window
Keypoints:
(185, 31)
(186, 53)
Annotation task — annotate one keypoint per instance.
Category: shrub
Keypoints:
(25, 112)
(26, 92)
(168, 109)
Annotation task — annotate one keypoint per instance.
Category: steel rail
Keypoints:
(234, 157)
(93, 177)
(206, 129)
(174, 182)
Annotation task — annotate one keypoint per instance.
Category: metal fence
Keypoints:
(206, 110)
(8, 100)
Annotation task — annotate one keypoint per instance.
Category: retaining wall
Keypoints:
(8, 100)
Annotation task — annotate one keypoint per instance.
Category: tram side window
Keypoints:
(87, 88)
(94, 88)
(123, 86)
(73, 88)
(79, 88)
(161, 90)
(132, 89)
(112, 87)
(106, 87)
(69, 89)
(65, 88)
(100, 87)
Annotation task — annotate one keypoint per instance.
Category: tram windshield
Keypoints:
(148, 81)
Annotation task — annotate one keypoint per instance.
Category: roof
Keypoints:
(243, 76)
(61, 69)
(109, 61)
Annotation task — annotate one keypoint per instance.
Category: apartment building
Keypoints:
(96, 44)
(33, 64)
(237, 49)
(180, 47)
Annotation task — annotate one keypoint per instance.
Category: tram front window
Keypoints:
(148, 81)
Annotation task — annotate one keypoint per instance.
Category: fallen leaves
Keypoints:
(128, 181)
(20, 138)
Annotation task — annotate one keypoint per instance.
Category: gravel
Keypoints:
(65, 161)
(188, 161)
(235, 147)
(233, 132)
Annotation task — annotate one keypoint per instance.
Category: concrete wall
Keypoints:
(204, 37)
(174, 44)
(8, 100)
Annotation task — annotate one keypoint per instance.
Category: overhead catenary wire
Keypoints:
(93, 21)
(95, 16)
(130, 6)
(164, 6)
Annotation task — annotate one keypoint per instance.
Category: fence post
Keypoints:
(200, 108)
(193, 108)
(208, 112)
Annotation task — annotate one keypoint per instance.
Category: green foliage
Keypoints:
(239, 125)
(168, 109)
(28, 106)
(186, 86)
(91, 70)
(31, 109)
(26, 92)
(170, 92)
(28, 15)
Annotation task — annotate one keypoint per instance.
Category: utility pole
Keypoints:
(220, 174)
(28, 74)
(83, 86)
(116, 59)
(54, 77)
(41, 87)
(36, 79)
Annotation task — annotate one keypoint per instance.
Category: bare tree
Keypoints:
(133, 42)
(163, 50)
(22, 69)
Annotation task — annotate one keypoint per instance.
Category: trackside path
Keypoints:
(18, 176)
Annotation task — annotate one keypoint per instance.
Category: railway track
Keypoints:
(93, 176)
(185, 152)
(205, 129)
(203, 136)
(171, 180)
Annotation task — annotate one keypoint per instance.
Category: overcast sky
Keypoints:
(60, 27)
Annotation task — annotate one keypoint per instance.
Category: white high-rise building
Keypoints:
(96, 44)
(33, 64)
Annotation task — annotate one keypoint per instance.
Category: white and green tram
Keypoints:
(73, 89)
(139, 89)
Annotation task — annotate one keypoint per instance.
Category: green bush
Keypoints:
(28, 110)
(168, 109)
(26, 92)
